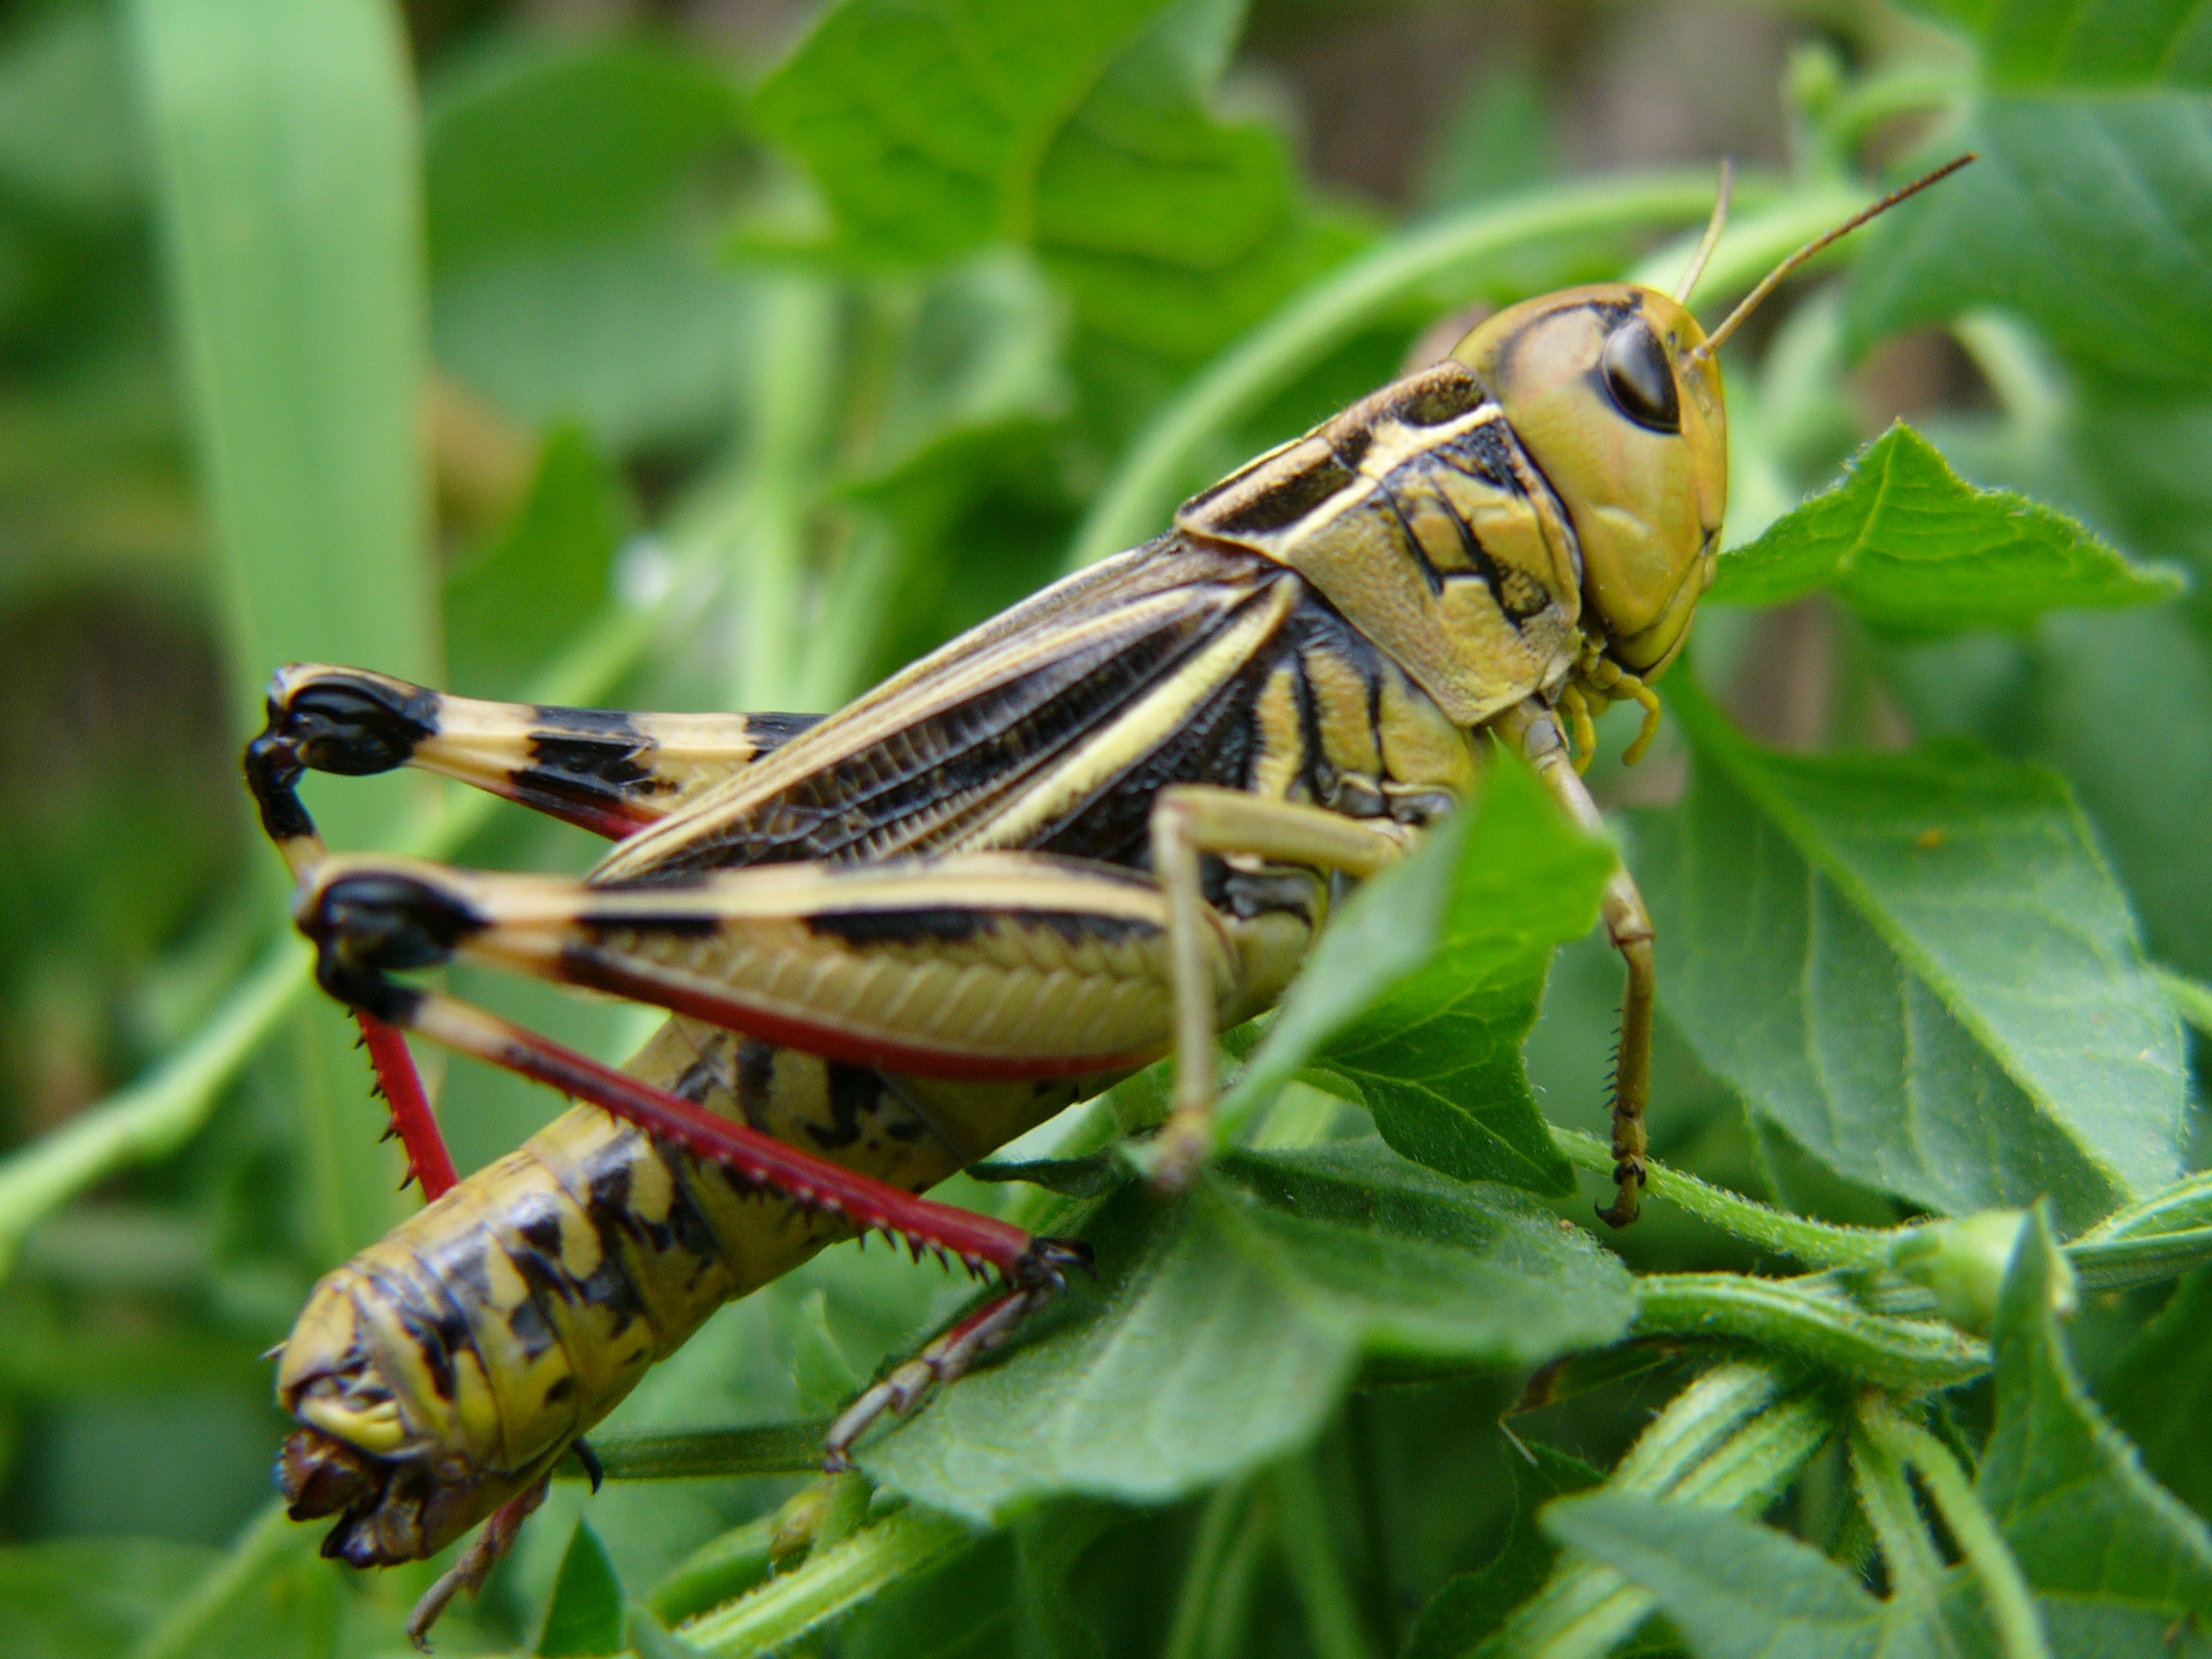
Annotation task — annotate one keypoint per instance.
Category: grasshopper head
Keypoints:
(1606, 389)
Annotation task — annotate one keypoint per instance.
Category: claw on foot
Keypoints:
(1041, 1274)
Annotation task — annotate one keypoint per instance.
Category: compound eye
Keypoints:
(1639, 378)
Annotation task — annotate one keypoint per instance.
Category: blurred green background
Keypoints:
(571, 349)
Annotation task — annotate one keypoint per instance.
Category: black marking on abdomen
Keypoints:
(854, 1092)
(946, 925)
(756, 1082)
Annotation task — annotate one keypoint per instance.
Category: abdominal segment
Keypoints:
(448, 1366)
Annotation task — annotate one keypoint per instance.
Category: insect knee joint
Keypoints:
(369, 923)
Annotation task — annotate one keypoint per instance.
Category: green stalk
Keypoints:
(1909, 1355)
(1816, 1243)
(1151, 477)
(1878, 1476)
(1234, 1532)
(1334, 1627)
(1732, 1440)
(2011, 1604)
(2180, 1208)
(779, 484)
(832, 1583)
(2192, 999)
(716, 1572)
(2121, 1263)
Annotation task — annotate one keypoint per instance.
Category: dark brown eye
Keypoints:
(1639, 378)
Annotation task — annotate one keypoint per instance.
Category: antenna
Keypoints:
(1712, 239)
(1774, 278)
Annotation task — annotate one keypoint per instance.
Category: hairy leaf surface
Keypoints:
(1224, 1328)
(1906, 543)
(1919, 966)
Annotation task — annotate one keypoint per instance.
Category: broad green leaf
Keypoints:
(2079, 1512)
(2091, 216)
(1421, 992)
(1920, 968)
(1472, 1606)
(510, 609)
(585, 1618)
(2085, 43)
(924, 121)
(1171, 230)
(566, 144)
(1224, 1328)
(2160, 1391)
(1735, 1589)
(645, 342)
(1906, 543)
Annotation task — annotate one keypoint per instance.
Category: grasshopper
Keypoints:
(1100, 828)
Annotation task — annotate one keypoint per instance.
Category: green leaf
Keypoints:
(1224, 1328)
(644, 341)
(2159, 1391)
(2083, 1518)
(2091, 216)
(1735, 1589)
(1172, 232)
(1419, 995)
(561, 144)
(1920, 968)
(1906, 543)
(585, 1618)
(510, 609)
(2087, 43)
(923, 121)
(1472, 1606)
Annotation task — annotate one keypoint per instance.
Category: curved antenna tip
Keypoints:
(1774, 278)
(1711, 237)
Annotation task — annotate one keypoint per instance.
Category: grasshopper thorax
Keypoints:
(1605, 389)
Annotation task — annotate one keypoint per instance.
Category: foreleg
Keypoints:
(1533, 731)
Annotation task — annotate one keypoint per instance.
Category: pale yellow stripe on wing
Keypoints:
(933, 686)
(1120, 745)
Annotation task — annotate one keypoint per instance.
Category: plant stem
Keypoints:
(1909, 1354)
(777, 483)
(2005, 1591)
(2192, 999)
(1816, 1243)
(1731, 1440)
(1234, 1532)
(1333, 1624)
(832, 1583)
(1135, 501)
(2119, 1264)
(268, 1539)
(716, 1572)
(1878, 1476)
